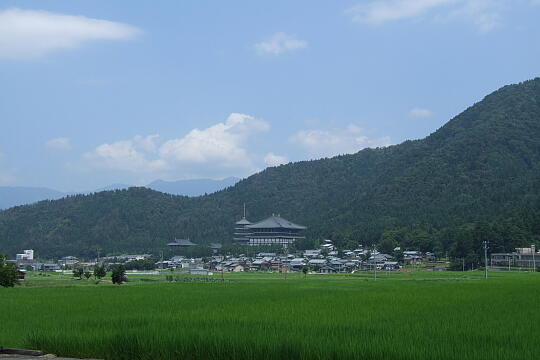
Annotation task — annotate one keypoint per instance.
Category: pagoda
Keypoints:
(241, 231)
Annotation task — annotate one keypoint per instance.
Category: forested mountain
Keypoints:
(476, 178)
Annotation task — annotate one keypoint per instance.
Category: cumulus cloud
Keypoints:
(60, 143)
(214, 151)
(30, 34)
(127, 155)
(272, 159)
(485, 14)
(420, 113)
(279, 43)
(326, 143)
(221, 143)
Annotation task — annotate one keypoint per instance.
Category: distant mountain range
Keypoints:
(195, 187)
(20, 195)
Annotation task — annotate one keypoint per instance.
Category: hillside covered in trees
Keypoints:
(476, 178)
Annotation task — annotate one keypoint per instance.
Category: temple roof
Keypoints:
(244, 221)
(181, 242)
(274, 222)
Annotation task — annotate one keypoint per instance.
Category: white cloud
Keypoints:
(279, 43)
(219, 150)
(485, 14)
(326, 143)
(60, 143)
(127, 155)
(420, 113)
(381, 11)
(29, 33)
(221, 143)
(272, 159)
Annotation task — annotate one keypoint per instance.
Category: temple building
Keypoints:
(274, 230)
(180, 243)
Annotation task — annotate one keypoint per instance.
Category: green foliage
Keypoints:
(87, 274)
(78, 272)
(99, 272)
(9, 275)
(476, 177)
(305, 270)
(119, 275)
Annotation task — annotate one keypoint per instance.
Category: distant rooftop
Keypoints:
(275, 222)
(181, 243)
(244, 221)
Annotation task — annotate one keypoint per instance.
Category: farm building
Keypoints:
(522, 257)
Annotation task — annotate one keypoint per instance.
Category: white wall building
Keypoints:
(26, 255)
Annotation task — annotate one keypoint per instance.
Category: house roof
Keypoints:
(215, 246)
(275, 222)
(181, 242)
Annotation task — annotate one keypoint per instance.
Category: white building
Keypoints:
(27, 255)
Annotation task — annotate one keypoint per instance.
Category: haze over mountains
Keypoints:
(478, 176)
(19, 195)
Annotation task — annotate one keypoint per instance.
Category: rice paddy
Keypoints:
(418, 315)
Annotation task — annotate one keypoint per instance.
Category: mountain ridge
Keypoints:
(478, 171)
(11, 196)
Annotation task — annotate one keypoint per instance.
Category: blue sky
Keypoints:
(100, 92)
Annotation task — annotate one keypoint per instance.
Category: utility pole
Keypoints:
(161, 260)
(374, 266)
(485, 260)
(286, 260)
(533, 247)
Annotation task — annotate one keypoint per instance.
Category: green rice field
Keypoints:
(412, 315)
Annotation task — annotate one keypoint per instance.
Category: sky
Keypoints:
(99, 92)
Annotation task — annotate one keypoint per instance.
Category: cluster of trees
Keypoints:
(98, 273)
(477, 176)
(9, 276)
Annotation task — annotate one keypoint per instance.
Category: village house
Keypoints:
(522, 257)
(127, 258)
